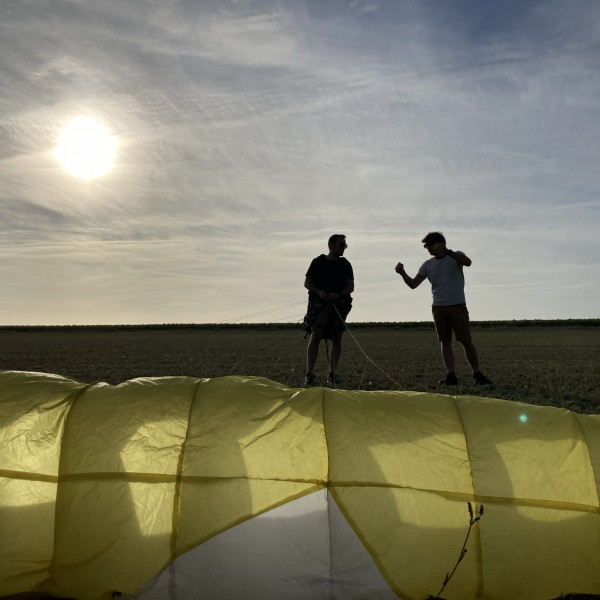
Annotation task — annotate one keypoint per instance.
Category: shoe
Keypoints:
(309, 379)
(450, 380)
(481, 379)
(333, 379)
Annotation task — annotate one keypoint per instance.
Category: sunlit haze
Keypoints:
(183, 161)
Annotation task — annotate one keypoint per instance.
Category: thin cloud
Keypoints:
(251, 132)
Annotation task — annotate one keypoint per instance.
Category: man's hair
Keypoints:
(334, 238)
(434, 237)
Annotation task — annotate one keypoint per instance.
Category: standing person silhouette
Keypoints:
(329, 281)
(445, 273)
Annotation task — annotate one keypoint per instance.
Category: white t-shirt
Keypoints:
(446, 278)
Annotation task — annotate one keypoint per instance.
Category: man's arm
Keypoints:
(344, 293)
(348, 289)
(411, 282)
(311, 287)
(460, 257)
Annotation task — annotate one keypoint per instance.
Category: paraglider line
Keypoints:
(365, 354)
(245, 356)
(262, 312)
(368, 358)
(363, 375)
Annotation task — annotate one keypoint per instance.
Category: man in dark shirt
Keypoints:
(329, 281)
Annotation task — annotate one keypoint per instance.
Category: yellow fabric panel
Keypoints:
(400, 439)
(32, 416)
(149, 469)
(387, 452)
(33, 408)
(121, 453)
(530, 452)
(590, 426)
(26, 533)
(251, 445)
(211, 506)
(415, 538)
(256, 429)
(547, 552)
(136, 427)
(111, 535)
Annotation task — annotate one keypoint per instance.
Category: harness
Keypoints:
(316, 305)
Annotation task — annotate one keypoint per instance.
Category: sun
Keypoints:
(86, 149)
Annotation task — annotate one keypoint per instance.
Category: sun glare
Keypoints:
(85, 148)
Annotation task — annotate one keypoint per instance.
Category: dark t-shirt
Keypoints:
(330, 275)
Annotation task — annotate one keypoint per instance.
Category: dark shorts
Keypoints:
(325, 317)
(330, 321)
(452, 318)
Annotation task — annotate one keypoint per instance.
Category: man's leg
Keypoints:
(312, 350)
(473, 358)
(471, 355)
(448, 358)
(443, 328)
(462, 329)
(447, 355)
(336, 352)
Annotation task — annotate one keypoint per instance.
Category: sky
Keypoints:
(245, 133)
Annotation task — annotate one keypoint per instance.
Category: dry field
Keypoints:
(557, 366)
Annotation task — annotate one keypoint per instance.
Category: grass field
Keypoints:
(558, 366)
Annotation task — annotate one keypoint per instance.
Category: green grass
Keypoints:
(549, 365)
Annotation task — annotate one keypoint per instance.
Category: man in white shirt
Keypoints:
(445, 273)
